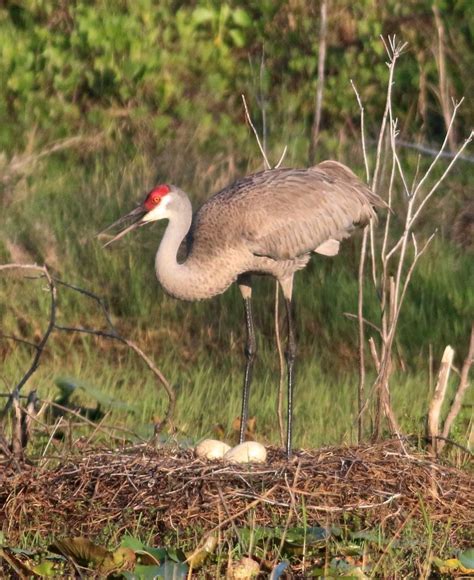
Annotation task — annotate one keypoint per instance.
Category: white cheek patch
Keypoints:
(159, 212)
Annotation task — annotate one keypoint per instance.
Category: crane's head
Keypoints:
(154, 207)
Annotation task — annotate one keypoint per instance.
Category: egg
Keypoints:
(248, 452)
(211, 449)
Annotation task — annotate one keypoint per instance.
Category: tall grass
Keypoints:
(54, 218)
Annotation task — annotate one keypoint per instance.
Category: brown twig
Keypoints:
(42, 343)
(114, 335)
(438, 397)
(461, 391)
(320, 86)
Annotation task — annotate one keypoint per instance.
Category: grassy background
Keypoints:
(54, 217)
(151, 93)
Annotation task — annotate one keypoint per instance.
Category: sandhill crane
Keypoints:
(267, 223)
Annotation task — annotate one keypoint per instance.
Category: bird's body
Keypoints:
(267, 223)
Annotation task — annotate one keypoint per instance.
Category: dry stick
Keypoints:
(467, 142)
(320, 87)
(397, 296)
(360, 316)
(262, 150)
(91, 423)
(438, 397)
(373, 352)
(250, 506)
(226, 509)
(461, 391)
(360, 300)
(394, 50)
(281, 360)
(18, 164)
(392, 540)
(17, 447)
(443, 77)
(42, 343)
(113, 334)
(291, 508)
(27, 416)
(365, 321)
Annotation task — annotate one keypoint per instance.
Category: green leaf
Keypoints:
(237, 37)
(202, 14)
(81, 550)
(45, 569)
(67, 386)
(467, 558)
(241, 17)
(167, 571)
(146, 554)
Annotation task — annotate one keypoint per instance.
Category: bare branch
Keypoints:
(320, 87)
(360, 316)
(249, 119)
(364, 320)
(373, 352)
(282, 157)
(461, 391)
(362, 131)
(42, 343)
(438, 397)
(441, 149)
(441, 179)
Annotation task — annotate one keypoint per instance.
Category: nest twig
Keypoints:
(167, 488)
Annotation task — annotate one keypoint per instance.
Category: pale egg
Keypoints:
(211, 449)
(248, 452)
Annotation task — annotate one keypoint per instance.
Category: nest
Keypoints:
(169, 489)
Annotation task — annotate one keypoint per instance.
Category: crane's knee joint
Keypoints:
(250, 351)
(290, 353)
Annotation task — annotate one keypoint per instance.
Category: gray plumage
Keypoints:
(267, 223)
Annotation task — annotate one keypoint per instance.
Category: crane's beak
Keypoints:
(127, 223)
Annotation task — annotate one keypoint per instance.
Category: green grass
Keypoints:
(199, 346)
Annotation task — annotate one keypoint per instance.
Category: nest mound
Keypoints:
(169, 489)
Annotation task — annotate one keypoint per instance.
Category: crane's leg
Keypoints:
(245, 286)
(287, 287)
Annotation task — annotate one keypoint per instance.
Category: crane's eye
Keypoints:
(156, 199)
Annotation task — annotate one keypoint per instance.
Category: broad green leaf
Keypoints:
(46, 569)
(197, 558)
(68, 385)
(81, 550)
(467, 559)
(202, 14)
(241, 17)
(167, 571)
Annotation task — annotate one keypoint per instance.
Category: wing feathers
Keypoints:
(285, 213)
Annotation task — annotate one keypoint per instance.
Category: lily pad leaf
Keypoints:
(466, 558)
(81, 550)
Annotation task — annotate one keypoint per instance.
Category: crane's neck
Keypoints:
(171, 274)
(201, 275)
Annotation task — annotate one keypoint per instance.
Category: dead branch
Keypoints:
(42, 343)
(461, 391)
(438, 398)
(23, 164)
(114, 335)
(22, 421)
(320, 87)
(443, 75)
(250, 122)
